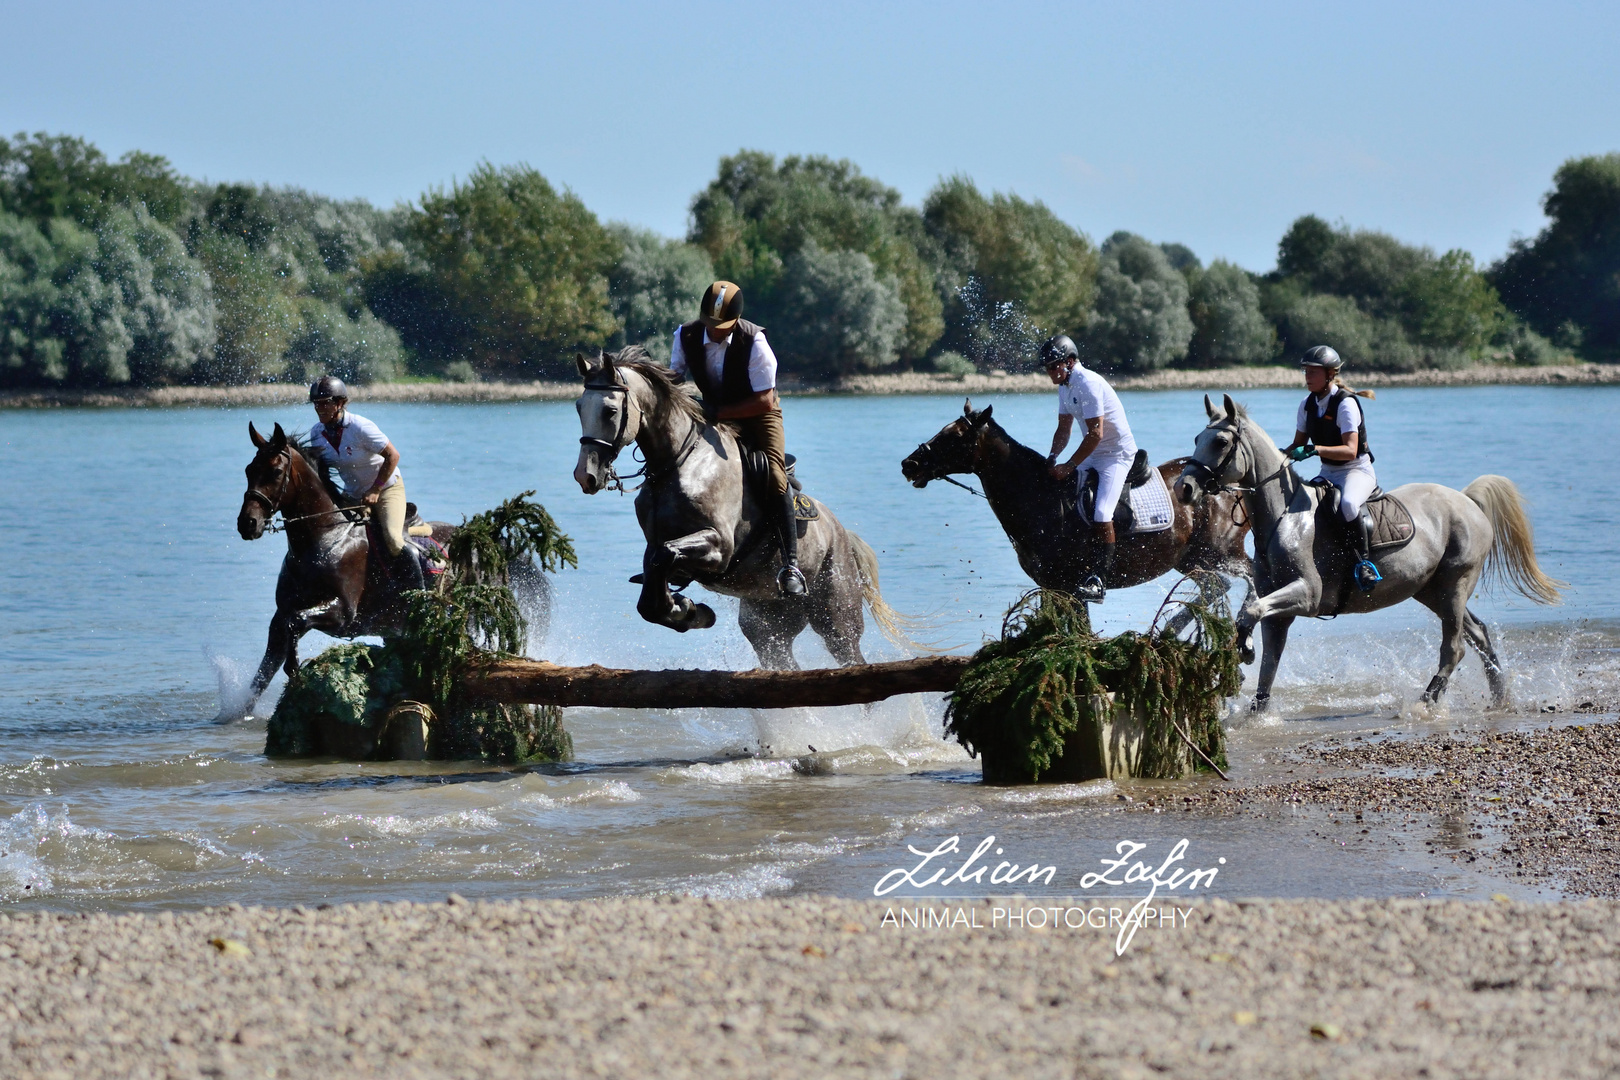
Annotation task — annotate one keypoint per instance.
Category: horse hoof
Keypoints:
(1260, 704)
(702, 617)
(1246, 648)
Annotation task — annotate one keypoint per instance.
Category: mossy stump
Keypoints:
(1051, 702)
(350, 702)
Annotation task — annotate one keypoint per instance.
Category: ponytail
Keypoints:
(1336, 381)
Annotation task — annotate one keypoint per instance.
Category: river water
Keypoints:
(131, 609)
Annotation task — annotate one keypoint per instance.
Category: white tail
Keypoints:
(894, 624)
(1512, 561)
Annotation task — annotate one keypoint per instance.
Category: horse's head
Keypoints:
(268, 476)
(951, 451)
(1216, 461)
(608, 421)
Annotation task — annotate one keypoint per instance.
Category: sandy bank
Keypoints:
(812, 988)
(1243, 378)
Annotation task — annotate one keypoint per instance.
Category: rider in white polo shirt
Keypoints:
(1107, 446)
(367, 465)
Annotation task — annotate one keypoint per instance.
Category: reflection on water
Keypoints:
(133, 613)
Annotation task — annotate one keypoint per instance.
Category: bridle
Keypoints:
(272, 506)
(926, 456)
(615, 482)
(1208, 477)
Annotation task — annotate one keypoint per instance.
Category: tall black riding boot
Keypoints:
(1095, 590)
(1367, 574)
(407, 569)
(789, 579)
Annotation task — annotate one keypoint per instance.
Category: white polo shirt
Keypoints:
(358, 456)
(761, 361)
(1086, 395)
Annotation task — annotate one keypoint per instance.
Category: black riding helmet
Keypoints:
(328, 388)
(1057, 350)
(1322, 356)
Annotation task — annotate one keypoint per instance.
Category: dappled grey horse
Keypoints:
(1457, 536)
(703, 522)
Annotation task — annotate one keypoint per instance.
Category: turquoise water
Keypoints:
(132, 606)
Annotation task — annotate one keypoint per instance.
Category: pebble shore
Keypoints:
(809, 987)
(1219, 379)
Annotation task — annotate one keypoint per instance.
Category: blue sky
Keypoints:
(1210, 125)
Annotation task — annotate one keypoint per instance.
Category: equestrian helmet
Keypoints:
(328, 388)
(1057, 350)
(1322, 356)
(722, 306)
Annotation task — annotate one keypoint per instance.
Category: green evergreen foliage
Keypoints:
(1566, 282)
(1141, 322)
(758, 214)
(1011, 272)
(472, 615)
(654, 288)
(502, 272)
(1027, 692)
(1229, 326)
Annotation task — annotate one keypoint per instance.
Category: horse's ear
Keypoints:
(1231, 408)
(253, 433)
(1209, 409)
(967, 406)
(607, 362)
(984, 416)
(583, 364)
(278, 439)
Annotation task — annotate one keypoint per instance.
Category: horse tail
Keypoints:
(894, 624)
(1512, 558)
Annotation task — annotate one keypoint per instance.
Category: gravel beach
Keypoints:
(679, 987)
(1238, 378)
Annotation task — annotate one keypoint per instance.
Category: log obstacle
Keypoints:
(534, 682)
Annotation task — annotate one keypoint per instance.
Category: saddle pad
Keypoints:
(1392, 523)
(1151, 509)
(804, 508)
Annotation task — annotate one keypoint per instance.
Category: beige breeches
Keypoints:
(390, 515)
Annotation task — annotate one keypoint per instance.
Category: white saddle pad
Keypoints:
(1150, 504)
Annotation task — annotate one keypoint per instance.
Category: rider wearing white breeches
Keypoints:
(1330, 420)
(1107, 445)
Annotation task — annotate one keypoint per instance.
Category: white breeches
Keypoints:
(1355, 482)
(1111, 473)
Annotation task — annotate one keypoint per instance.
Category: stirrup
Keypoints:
(1091, 590)
(1367, 575)
(790, 579)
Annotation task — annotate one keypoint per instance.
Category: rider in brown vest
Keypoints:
(733, 366)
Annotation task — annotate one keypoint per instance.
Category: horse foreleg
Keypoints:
(1273, 640)
(691, 555)
(1298, 597)
(331, 617)
(1479, 636)
(275, 653)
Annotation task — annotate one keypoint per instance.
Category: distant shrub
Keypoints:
(955, 364)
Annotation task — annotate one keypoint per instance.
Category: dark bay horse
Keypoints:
(1054, 546)
(325, 582)
(703, 523)
(1457, 536)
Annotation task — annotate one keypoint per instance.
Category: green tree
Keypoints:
(758, 213)
(838, 315)
(1228, 325)
(1141, 321)
(654, 287)
(58, 176)
(1447, 302)
(504, 272)
(1011, 271)
(1566, 282)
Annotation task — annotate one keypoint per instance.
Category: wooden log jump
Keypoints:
(535, 682)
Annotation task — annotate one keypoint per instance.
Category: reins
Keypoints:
(273, 506)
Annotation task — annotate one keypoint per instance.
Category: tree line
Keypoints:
(126, 273)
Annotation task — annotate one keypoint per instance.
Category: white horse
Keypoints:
(1458, 535)
(703, 523)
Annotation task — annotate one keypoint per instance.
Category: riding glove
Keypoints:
(1300, 453)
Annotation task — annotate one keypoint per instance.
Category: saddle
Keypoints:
(757, 475)
(1144, 506)
(433, 556)
(1391, 520)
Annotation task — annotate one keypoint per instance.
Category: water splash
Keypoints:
(235, 678)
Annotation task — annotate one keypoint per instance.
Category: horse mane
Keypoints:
(665, 384)
(1017, 447)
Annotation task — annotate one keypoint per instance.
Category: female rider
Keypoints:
(366, 463)
(1330, 418)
